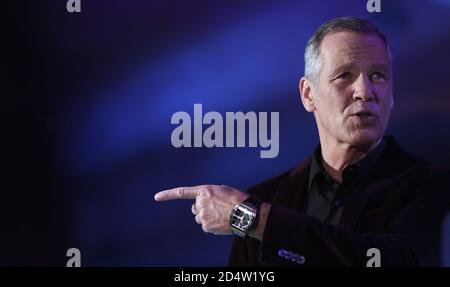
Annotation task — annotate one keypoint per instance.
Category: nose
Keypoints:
(363, 89)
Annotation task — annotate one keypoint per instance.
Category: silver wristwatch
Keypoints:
(243, 216)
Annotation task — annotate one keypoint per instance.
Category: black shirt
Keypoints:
(326, 197)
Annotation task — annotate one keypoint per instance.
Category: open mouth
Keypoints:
(365, 118)
(364, 114)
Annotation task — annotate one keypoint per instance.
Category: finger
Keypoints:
(194, 209)
(177, 193)
(197, 219)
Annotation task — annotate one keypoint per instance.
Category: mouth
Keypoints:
(364, 114)
(365, 118)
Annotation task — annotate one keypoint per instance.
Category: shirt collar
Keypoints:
(358, 169)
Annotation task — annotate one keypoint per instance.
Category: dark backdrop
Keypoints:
(87, 100)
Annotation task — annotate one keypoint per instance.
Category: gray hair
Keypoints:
(350, 24)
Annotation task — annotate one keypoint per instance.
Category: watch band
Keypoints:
(254, 202)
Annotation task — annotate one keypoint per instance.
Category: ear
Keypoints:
(306, 94)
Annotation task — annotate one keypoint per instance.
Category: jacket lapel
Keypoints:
(292, 190)
(357, 204)
(391, 163)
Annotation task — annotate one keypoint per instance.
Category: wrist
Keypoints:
(258, 231)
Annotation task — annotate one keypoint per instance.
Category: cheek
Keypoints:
(335, 110)
(386, 101)
(332, 103)
(340, 99)
(384, 93)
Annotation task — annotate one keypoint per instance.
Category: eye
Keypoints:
(378, 76)
(344, 76)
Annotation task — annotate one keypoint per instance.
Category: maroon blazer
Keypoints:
(399, 211)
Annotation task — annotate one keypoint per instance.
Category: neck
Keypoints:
(336, 156)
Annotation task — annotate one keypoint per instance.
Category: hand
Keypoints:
(211, 207)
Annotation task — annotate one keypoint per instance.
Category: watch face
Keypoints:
(242, 218)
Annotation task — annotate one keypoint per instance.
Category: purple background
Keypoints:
(88, 100)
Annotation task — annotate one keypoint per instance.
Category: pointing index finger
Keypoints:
(177, 193)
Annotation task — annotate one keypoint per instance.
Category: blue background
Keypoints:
(91, 95)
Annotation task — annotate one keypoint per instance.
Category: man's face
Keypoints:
(352, 97)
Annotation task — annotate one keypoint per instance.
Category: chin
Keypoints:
(365, 137)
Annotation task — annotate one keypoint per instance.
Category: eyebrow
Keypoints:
(348, 66)
(341, 68)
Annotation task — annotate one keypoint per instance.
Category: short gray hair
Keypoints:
(350, 24)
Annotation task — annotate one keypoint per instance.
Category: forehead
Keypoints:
(347, 47)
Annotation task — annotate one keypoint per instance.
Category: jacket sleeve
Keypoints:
(239, 253)
(412, 237)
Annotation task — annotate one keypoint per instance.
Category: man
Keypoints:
(359, 192)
